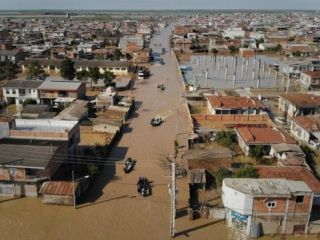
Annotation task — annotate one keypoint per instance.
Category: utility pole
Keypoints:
(74, 190)
(173, 199)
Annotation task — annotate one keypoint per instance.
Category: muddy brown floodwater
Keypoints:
(113, 210)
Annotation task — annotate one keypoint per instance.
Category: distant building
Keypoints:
(234, 105)
(248, 137)
(61, 91)
(306, 129)
(121, 68)
(310, 79)
(299, 104)
(246, 52)
(182, 45)
(13, 55)
(17, 91)
(25, 164)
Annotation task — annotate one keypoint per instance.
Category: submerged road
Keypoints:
(113, 209)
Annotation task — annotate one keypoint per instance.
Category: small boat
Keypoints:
(156, 121)
(129, 165)
(144, 187)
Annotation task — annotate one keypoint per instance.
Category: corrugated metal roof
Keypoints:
(23, 84)
(63, 188)
(60, 85)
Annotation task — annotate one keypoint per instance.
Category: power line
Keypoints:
(66, 159)
(74, 156)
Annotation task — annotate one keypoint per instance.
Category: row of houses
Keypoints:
(284, 197)
(44, 92)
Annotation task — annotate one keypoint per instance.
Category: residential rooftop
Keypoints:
(33, 154)
(309, 123)
(231, 102)
(23, 84)
(267, 187)
(302, 100)
(61, 85)
(263, 135)
(290, 173)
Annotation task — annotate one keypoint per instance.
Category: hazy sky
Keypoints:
(159, 4)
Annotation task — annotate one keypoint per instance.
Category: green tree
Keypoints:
(296, 54)
(67, 69)
(8, 69)
(117, 55)
(82, 74)
(214, 51)
(34, 70)
(258, 151)
(108, 78)
(221, 174)
(94, 74)
(232, 49)
(246, 172)
(309, 155)
(226, 138)
(278, 48)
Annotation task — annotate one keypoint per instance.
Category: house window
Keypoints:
(299, 199)
(13, 91)
(271, 204)
(7, 91)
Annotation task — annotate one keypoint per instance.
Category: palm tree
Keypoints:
(34, 70)
(67, 69)
(94, 74)
(108, 78)
(8, 69)
(82, 74)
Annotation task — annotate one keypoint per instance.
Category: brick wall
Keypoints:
(260, 205)
(222, 121)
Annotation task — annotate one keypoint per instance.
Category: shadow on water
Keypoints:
(187, 231)
(84, 204)
(106, 175)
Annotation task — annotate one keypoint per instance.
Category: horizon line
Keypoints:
(163, 9)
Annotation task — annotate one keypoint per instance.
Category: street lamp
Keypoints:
(74, 189)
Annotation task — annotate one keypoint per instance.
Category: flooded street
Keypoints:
(112, 208)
